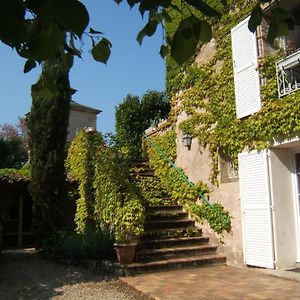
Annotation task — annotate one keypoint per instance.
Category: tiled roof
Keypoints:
(76, 106)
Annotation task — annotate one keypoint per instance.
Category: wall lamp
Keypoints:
(90, 129)
(187, 140)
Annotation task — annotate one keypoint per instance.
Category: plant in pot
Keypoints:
(130, 226)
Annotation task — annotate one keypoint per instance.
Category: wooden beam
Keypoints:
(20, 225)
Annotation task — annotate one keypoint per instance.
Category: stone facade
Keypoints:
(196, 163)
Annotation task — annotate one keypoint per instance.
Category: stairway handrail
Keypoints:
(181, 173)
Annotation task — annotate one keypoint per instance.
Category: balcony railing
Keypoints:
(288, 74)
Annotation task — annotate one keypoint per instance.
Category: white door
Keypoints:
(256, 209)
(297, 169)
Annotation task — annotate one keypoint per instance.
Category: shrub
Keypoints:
(71, 245)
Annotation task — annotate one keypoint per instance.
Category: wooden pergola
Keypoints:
(16, 213)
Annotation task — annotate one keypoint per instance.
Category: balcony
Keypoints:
(288, 74)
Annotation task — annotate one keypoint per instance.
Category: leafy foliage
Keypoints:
(34, 28)
(47, 126)
(11, 174)
(13, 145)
(129, 125)
(81, 163)
(118, 207)
(133, 116)
(108, 201)
(74, 246)
(217, 218)
(207, 96)
(12, 153)
(152, 191)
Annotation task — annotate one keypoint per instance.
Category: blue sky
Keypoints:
(131, 68)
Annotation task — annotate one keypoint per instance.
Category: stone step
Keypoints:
(171, 233)
(167, 264)
(142, 173)
(175, 252)
(168, 224)
(141, 163)
(173, 242)
(169, 215)
(162, 208)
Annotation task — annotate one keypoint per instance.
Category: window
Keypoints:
(228, 171)
(288, 74)
(287, 68)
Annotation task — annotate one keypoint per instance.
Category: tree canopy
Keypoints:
(13, 145)
(35, 27)
(133, 116)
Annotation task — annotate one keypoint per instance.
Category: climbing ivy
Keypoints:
(108, 200)
(81, 163)
(118, 207)
(206, 94)
(152, 192)
(218, 219)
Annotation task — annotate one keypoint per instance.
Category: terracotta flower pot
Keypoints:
(125, 253)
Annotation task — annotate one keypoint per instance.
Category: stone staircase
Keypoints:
(170, 241)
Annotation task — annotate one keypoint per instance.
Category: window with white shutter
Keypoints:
(256, 209)
(245, 67)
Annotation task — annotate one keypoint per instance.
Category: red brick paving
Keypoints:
(214, 283)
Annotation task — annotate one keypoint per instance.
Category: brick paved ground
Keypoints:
(214, 283)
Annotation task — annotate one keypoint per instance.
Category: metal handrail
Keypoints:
(181, 173)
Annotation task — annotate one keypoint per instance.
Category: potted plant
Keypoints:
(125, 247)
(130, 226)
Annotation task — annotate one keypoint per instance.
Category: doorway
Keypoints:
(297, 173)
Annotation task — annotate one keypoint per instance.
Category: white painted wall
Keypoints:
(79, 120)
(282, 191)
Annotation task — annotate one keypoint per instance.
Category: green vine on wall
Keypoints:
(207, 96)
(218, 219)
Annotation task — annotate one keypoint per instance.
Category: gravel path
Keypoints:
(24, 275)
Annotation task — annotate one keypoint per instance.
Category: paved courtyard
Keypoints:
(214, 283)
(24, 275)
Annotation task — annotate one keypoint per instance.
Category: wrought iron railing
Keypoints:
(288, 74)
(181, 173)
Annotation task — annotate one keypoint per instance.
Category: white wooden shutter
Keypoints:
(256, 209)
(245, 67)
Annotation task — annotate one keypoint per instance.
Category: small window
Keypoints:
(228, 171)
(288, 74)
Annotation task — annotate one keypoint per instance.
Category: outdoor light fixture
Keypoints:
(90, 129)
(187, 140)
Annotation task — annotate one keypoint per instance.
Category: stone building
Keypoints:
(238, 106)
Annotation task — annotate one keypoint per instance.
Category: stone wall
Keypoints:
(196, 163)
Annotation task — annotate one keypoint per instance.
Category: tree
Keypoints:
(133, 116)
(18, 131)
(34, 27)
(47, 126)
(154, 107)
(12, 154)
(129, 125)
(13, 145)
